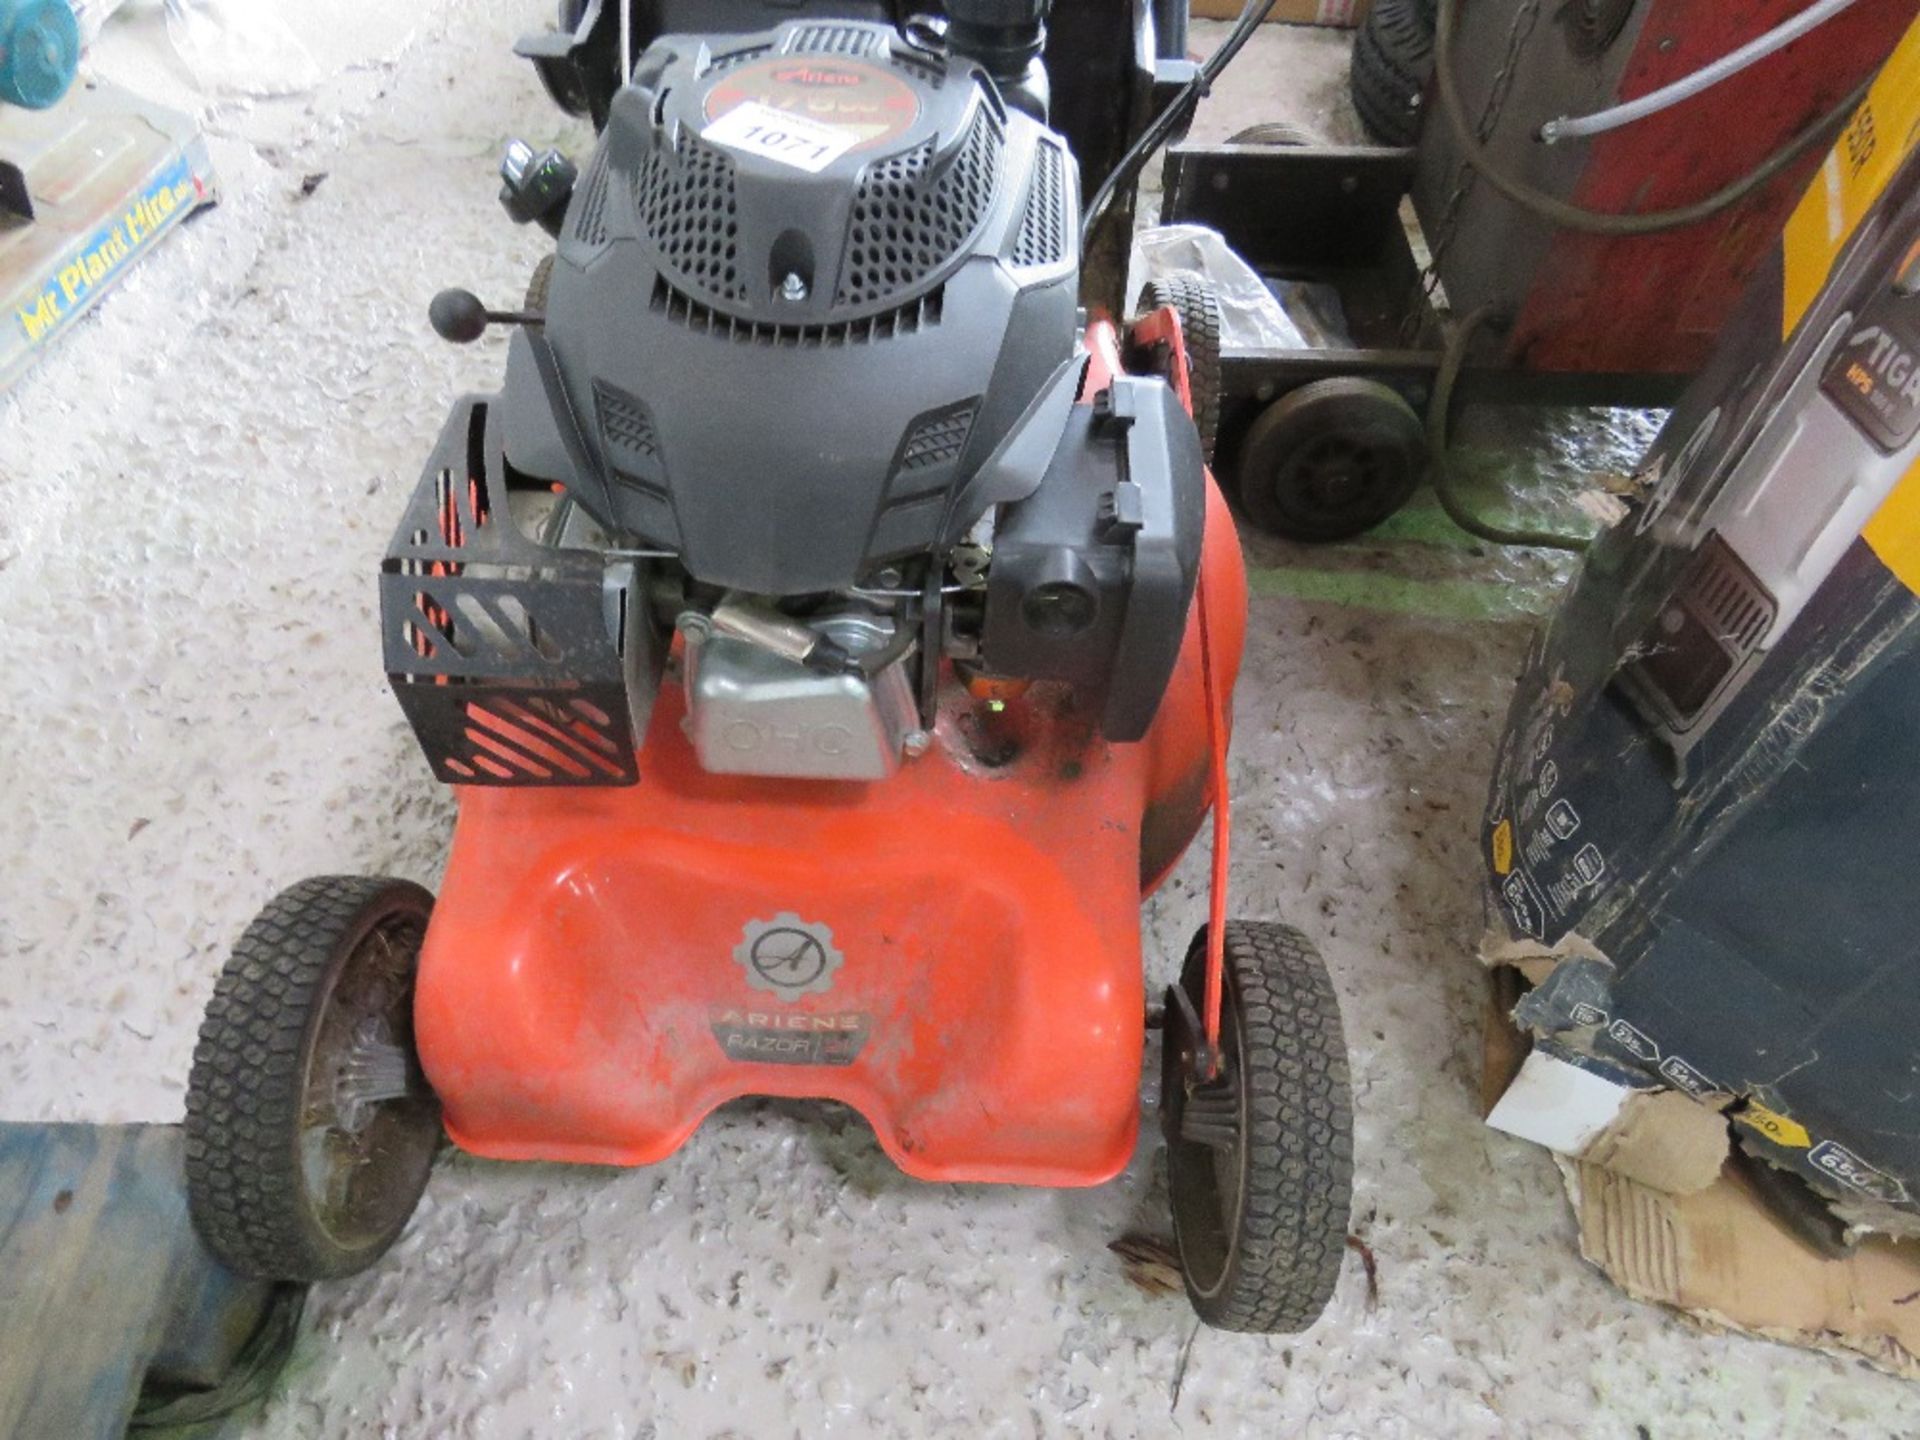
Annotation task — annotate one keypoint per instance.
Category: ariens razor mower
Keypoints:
(830, 636)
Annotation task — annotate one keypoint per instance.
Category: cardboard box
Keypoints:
(109, 175)
(1719, 1256)
(1627, 1125)
(1666, 1212)
(1699, 832)
(1708, 793)
(1343, 13)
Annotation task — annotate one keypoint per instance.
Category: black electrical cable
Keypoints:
(871, 663)
(1163, 124)
(1451, 361)
(1600, 222)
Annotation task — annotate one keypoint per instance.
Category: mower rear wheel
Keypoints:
(310, 1128)
(1193, 300)
(1260, 1158)
(1331, 460)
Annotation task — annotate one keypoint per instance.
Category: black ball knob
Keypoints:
(458, 315)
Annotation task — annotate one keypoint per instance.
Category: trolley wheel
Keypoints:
(559, 77)
(310, 1128)
(1331, 459)
(1259, 1159)
(1392, 65)
(1274, 132)
(1193, 300)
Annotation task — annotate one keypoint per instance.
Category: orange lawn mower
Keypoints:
(830, 636)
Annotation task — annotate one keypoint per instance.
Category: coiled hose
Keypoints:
(1451, 361)
(1599, 222)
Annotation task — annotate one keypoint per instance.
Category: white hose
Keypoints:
(1569, 127)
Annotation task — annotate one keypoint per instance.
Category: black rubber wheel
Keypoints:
(1273, 132)
(1392, 66)
(1331, 460)
(538, 284)
(1260, 1160)
(302, 1162)
(560, 77)
(1193, 300)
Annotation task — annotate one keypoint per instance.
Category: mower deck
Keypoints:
(955, 953)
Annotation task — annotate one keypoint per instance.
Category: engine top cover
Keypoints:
(808, 282)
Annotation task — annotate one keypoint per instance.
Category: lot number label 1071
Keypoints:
(776, 135)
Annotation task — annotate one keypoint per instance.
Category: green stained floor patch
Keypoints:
(1457, 600)
(1422, 521)
(1487, 483)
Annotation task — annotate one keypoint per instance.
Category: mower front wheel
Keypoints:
(310, 1128)
(1259, 1157)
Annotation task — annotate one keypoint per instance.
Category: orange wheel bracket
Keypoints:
(1162, 326)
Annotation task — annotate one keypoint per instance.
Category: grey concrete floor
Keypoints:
(194, 493)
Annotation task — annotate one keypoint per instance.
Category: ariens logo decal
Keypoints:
(814, 75)
(788, 957)
(870, 103)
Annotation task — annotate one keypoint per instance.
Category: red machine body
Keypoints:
(969, 930)
(1648, 304)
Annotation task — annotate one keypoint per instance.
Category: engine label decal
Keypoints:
(788, 957)
(865, 104)
(767, 1037)
(756, 129)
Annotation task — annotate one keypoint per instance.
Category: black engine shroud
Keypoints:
(796, 360)
(787, 376)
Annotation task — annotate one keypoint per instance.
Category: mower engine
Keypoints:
(807, 360)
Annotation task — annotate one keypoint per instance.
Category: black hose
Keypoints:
(1451, 361)
(1163, 124)
(875, 662)
(1601, 222)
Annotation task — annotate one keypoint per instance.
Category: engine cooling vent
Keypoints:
(831, 40)
(1045, 225)
(736, 57)
(910, 218)
(689, 210)
(937, 438)
(624, 424)
(590, 211)
(917, 314)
